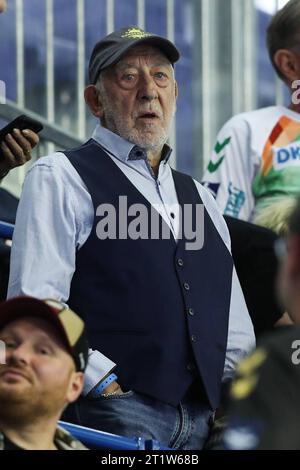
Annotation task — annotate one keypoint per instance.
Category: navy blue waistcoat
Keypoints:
(156, 309)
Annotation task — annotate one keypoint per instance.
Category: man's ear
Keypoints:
(75, 386)
(288, 63)
(93, 100)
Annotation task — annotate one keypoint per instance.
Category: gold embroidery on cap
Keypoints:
(135, 33)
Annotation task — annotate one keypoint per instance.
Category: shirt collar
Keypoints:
(122, 148)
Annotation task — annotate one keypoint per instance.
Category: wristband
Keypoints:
(102, 386)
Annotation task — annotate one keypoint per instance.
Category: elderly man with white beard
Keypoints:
(108, 228)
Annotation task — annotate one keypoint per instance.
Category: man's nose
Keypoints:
(147, 89)
(19, 355)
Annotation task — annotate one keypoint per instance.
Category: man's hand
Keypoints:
(16, 149)
(113, 389)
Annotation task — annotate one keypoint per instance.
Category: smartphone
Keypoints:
(21, 122)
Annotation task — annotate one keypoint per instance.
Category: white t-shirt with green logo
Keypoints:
(256, 160)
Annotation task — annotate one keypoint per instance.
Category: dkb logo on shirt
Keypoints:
(286, 157)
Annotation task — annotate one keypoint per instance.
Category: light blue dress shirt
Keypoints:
(55, 217)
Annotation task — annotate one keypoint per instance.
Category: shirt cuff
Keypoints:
(98, 367)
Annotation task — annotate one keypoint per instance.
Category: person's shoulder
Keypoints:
(250, 235)
(254, 117)
(282, 342)
(60, 160)
(283, 332)
(65, 441)
(276, 352)
(267, 114)
(45, 167)
(54, 160)
(55, 166)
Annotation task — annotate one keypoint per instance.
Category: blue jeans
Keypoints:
(136, 415)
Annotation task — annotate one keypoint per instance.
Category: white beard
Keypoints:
(151, 137)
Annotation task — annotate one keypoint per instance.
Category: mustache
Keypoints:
(14, 366)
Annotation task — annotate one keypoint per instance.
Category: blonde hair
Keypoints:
(276, 215)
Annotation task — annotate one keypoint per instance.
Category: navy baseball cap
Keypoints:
(109, 50)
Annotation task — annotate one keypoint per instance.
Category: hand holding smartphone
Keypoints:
(21, 122)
